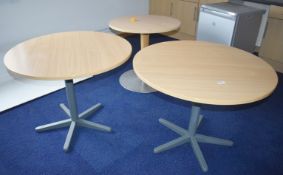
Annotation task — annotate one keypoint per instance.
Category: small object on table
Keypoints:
(145, 25)
(203, 73)
(65, 56)
(133, 19)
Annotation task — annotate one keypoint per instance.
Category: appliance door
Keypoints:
(215, 27)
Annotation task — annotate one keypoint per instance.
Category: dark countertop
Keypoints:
(268, 2)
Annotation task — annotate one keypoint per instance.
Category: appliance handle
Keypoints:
(221, 14)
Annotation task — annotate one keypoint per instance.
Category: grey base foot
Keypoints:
(69, 136)
(84, 114)
(199, 120)
(190, 137)
(213, 140)
(131, 82)
(173, 127)
(92, 125)
(172, 144)
(54, 125)
(73, 122)
(199, 155)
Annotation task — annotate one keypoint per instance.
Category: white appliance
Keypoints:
(231, 24)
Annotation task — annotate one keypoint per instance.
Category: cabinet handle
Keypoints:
(171, 9)
(195, 14)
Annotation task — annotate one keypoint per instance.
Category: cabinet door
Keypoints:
(187, 13)
(272, 44)
(161, 7)
(276, 12)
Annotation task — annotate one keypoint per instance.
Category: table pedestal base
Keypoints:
(190, 136)
(75, 118)
(131, 82)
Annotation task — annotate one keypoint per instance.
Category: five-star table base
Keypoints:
(75, 118)
(190, 136)
(186, 135)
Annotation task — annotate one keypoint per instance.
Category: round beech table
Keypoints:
(203, 73)
(143, 25)
(65, 56)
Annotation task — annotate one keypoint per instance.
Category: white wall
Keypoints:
(23, 19)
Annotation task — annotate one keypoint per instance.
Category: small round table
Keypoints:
(203, 73)
(143, 25)
(65, 56)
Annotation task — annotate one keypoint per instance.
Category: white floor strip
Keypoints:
(14, 92)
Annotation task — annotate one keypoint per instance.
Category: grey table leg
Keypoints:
(75, 118)
(190, 136)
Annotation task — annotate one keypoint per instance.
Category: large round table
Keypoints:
(203, 73)
(143, 25)
(65, 56)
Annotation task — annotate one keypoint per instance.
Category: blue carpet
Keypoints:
(256, 129)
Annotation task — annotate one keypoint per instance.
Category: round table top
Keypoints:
(67, 55)
(147, 24)
(205, 73)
